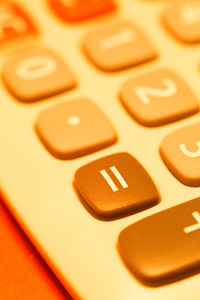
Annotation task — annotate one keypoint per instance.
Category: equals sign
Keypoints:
(110, 181)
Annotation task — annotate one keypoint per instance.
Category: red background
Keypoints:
(23, 272)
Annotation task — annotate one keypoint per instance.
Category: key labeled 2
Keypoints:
(158, 98)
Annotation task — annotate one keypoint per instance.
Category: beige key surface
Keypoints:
(180, 151)
(118, 46)
(158, 97)
(74, 128)
(37, 74)
(183, 20)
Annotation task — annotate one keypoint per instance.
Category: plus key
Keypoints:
(164, 247)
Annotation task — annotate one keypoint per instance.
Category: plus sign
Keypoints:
(194, 227)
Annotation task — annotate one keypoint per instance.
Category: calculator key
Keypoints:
(183, 20)
(14, 22)
(74, 128)
(115, 186)
(164, 247)
(180, 151)
(118, 46)
(158, 98)
(37, 74)
(80, 10)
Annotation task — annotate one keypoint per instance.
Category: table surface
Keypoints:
(23, 272)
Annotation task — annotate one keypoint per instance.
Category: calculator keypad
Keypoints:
(161, 248)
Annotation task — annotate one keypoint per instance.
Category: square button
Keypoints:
(14, 22)
(81, 10)
(183, 20)
(115, 186)
(37, 74)
(180, 151)
(118, 46)
(158, 97)
(74, 128)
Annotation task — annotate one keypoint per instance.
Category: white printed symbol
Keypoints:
(125, 36)
(144, 92)
(196, 226)
(110, 181)
(36, 67)
(190, 13)
(74, 120)
(191, 154)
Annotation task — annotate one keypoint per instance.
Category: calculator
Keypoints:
(100, 142)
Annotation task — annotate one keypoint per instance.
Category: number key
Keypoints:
(183, 20)
(118, 46)
(158, 97)
(36, 74)
(180, 151)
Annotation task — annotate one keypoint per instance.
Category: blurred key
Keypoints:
(14, 22)
(36, 74)
(80, 10)
(183, 20)
(180, 151)
(118, 46)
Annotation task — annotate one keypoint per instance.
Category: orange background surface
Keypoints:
(23, 272)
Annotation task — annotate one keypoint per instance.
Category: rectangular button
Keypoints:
(164, 247)
(118, 46)
(115, 186)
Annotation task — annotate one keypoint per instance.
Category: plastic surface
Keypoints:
(80, 249)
